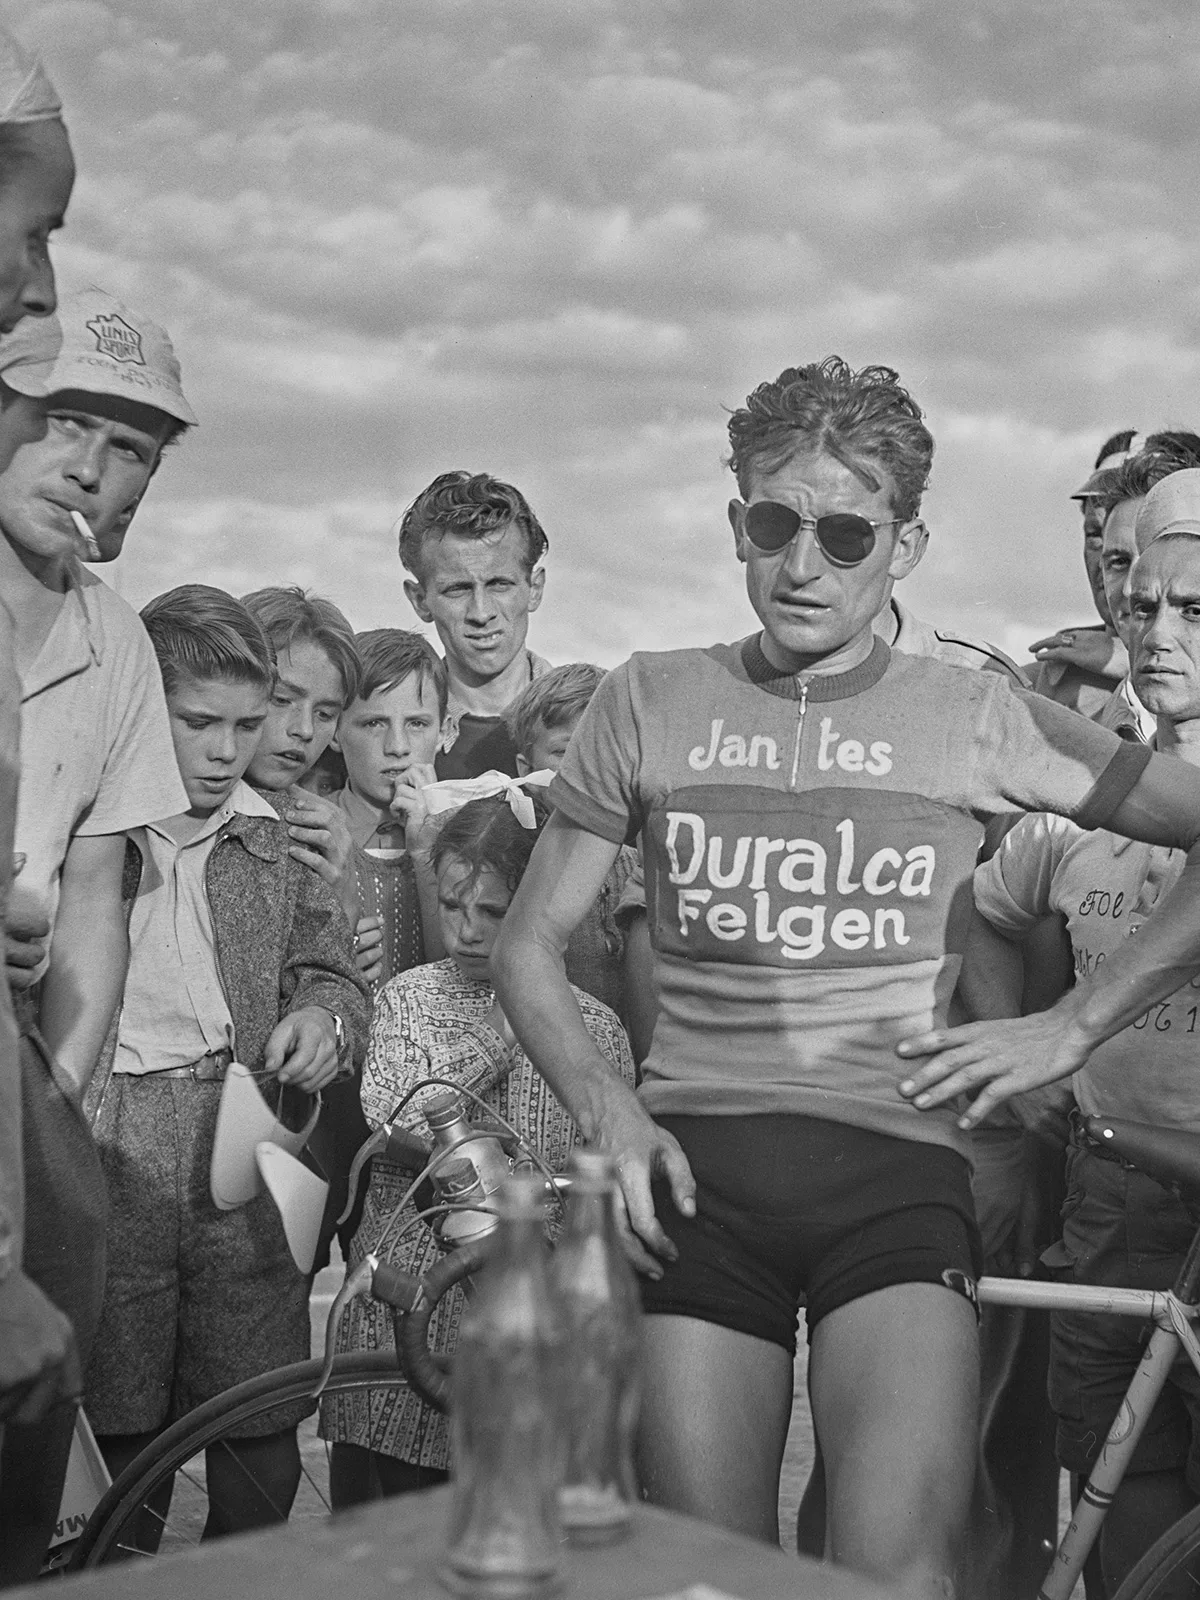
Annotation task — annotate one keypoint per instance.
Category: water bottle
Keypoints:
(598, 1298)
(507, 1438)
(446, 1118)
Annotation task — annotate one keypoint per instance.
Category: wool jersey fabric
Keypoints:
(809, 844)
(1105, 886)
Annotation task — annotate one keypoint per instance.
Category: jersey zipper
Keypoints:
(800, 710)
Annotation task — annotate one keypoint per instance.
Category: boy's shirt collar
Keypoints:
(243, 801)
(369, 827)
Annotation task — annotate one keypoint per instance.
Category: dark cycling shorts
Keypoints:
(793, 1210)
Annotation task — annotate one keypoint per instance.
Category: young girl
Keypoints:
(443, 1020)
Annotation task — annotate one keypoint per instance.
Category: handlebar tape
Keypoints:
(412, 1329)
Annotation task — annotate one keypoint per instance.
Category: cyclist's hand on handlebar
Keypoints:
(1005, 1057)
(643, 1152)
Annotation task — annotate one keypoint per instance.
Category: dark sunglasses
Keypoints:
(845, 538)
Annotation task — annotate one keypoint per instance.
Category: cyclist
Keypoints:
(1120, 1226)
(810, 806)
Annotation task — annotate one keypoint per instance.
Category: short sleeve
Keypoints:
(139, 778)
(597, 785)
(1014, 890)
(1035, 755)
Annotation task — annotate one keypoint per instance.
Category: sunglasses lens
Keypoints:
(769, 526)
(845, 538)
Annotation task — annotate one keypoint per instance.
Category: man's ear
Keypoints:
(737, 513)
(415, 590)
(537, 585)
(908, 549)
(523, 767)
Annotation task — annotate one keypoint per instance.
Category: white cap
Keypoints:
(26, 93)
(1172, 506)
(96, 344)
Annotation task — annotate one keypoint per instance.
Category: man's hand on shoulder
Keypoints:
(39, 1364)
(320, 839)
(1090, 649)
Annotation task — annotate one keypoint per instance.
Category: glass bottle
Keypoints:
(507, 1440)
(599, 1302)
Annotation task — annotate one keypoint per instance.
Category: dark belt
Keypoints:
(210, 1068)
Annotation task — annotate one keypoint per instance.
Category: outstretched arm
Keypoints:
(1006, 1057)
(564, 877)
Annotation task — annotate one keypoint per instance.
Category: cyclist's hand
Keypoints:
(302, 1050)
(643, 1152)
(39, 1364)
(368, 949)
(1006, 1057)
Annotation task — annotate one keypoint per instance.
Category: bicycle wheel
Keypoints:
(1170, 1569)
(166, 1486)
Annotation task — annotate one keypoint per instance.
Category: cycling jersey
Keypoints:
(809, 844)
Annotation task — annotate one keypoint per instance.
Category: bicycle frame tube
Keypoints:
(1172, 1316)
(1036, 1295)
(1118, 1448)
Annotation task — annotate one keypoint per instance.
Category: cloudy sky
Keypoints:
(557, 239)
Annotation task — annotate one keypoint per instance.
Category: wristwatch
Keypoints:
(343, 1046)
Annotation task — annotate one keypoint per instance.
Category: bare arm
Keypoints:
(89, 954)
(1007, 1057)
(565, 875)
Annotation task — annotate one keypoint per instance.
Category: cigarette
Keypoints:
(86, 534)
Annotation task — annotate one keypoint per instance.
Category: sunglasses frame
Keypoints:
(815, 524)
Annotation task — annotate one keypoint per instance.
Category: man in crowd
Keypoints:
(1080, 667)
(38, 1361)
(1120, 1227)
(474, 549)
(89, 399)
(1121, 500)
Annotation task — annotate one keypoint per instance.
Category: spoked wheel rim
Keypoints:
(174, 1463)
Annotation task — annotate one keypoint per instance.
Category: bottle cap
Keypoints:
(442, 1108)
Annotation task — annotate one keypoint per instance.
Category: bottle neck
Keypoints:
(590, 1210)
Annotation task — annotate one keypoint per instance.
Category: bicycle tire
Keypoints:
(1174, 1556)
(208, 1424)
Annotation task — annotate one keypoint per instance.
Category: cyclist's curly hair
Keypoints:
(486, 837)
(856, 417)
(473, 505)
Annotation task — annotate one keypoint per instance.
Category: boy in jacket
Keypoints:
(237, 951)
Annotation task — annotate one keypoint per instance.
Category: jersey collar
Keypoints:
(820, 686)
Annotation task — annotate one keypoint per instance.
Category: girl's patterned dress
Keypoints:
(432, 1021)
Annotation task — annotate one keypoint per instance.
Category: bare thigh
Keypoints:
(894, 1380)
(714, 1423)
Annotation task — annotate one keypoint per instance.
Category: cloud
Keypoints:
(556, 240)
